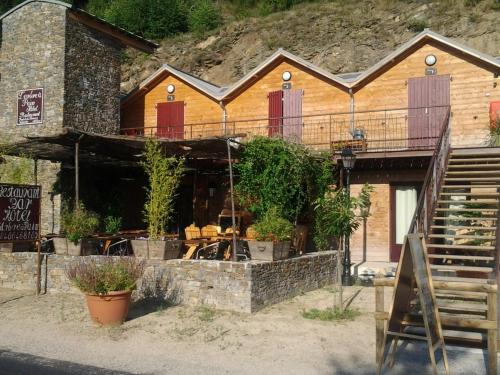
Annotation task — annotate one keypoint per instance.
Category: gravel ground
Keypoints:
(55, 331)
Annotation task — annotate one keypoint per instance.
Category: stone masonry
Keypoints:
(79, 71)
(235, 286)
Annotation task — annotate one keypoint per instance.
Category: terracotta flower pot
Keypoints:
(110, 309)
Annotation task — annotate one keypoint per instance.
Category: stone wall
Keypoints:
(32, 56)
(92, 80)
(242, 286)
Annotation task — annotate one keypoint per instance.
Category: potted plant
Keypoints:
(112, 224)
(108, 284)
(78, 225)
(273, 237)
(164, 176)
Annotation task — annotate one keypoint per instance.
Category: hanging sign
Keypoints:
(19, 213)
(30, 107)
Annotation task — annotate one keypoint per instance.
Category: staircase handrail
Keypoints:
(433, 178)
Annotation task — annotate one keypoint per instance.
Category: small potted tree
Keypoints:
(108, 284)
(273, 237)
(78, 225)
(164, 176)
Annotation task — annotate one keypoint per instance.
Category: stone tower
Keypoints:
(59, 67)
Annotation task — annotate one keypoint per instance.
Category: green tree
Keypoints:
(164, 176)
(204, 16)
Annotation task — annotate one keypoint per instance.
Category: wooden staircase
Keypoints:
(462, 236)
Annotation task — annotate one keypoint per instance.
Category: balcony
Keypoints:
(400, 129)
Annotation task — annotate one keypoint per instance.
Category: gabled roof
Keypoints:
(424, 36)
(347, 80)
(213, 91)
(113, 31)
(282, 54)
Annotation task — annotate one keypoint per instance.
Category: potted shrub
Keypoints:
(273, 237)
(108, 284)
(78, 225)
(164, 176)
(112, 224)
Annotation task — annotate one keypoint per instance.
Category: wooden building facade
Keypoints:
(391, 114)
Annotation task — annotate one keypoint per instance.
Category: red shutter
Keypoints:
(292, 115)
(275, 112)
(424, 123)
(170, 120)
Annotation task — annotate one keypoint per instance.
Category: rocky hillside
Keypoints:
(340, 36)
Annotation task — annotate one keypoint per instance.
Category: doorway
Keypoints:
(428, 98)
(170, 120)
(285, 114)
(403, 202)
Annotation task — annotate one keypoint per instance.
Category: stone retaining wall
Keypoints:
(235, 286)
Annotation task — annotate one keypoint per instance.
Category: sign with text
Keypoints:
(30, 107)
(19, 213)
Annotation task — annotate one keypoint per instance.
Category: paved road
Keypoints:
(12, 363)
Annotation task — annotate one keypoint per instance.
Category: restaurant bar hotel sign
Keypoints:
(19, 213)
(30, 107)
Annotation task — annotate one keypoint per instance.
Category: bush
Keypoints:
(79, 223)
(108, 275)
(331, 314)
(272, 227)
(164, 176)
(203, 17)
(417, 25)
(112, 224)
(153, 19)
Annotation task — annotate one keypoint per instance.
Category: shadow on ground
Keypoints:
(157, 292)
(413, 358)
(26, 364)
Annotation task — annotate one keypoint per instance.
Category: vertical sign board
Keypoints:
(30, 107)
(19, 213)
(20, 218)
(413, 270)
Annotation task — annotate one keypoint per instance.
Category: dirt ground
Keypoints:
(185, 340)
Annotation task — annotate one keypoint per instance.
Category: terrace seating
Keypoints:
(209, 231)
(192, 232)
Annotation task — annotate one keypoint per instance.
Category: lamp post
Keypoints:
(348, 161)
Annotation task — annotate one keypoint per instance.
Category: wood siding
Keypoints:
(472, 88)
(198, 108)
(319, 97)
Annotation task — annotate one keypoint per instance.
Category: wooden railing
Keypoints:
(432, 182)
(382, 130)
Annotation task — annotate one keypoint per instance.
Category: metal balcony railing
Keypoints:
(379, 130)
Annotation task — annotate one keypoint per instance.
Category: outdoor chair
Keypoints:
(209, 231)
(192, 232)
(251, 233)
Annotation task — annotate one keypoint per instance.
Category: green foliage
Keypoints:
(417, 25)
(106, 275)
(204, 16)
(272, 227)
(206, 314)
(79, 223)
(336, 214)
(274, 173)
(150, 18)
(17, 170)
(112, 224)
(164, 176)
(331, 314)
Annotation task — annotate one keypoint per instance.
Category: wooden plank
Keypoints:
(463, 247)
(462, 236)
(463, 218)
(492, 334)
(478, 186)
(379, 323)
(462, 257)
(468, 173)
(462, 227)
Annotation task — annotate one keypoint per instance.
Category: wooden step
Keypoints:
(451, 218)
(475, 166)
(462, 227)
(469, 202)
(461, 247)
(454, 160)
(462, 257)
(472, 179)
(472, 195)
(469, 173)
(484, 210)
(478, 186)
(462, 236)
(460, 279)
(449, 267)
(466, 307)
